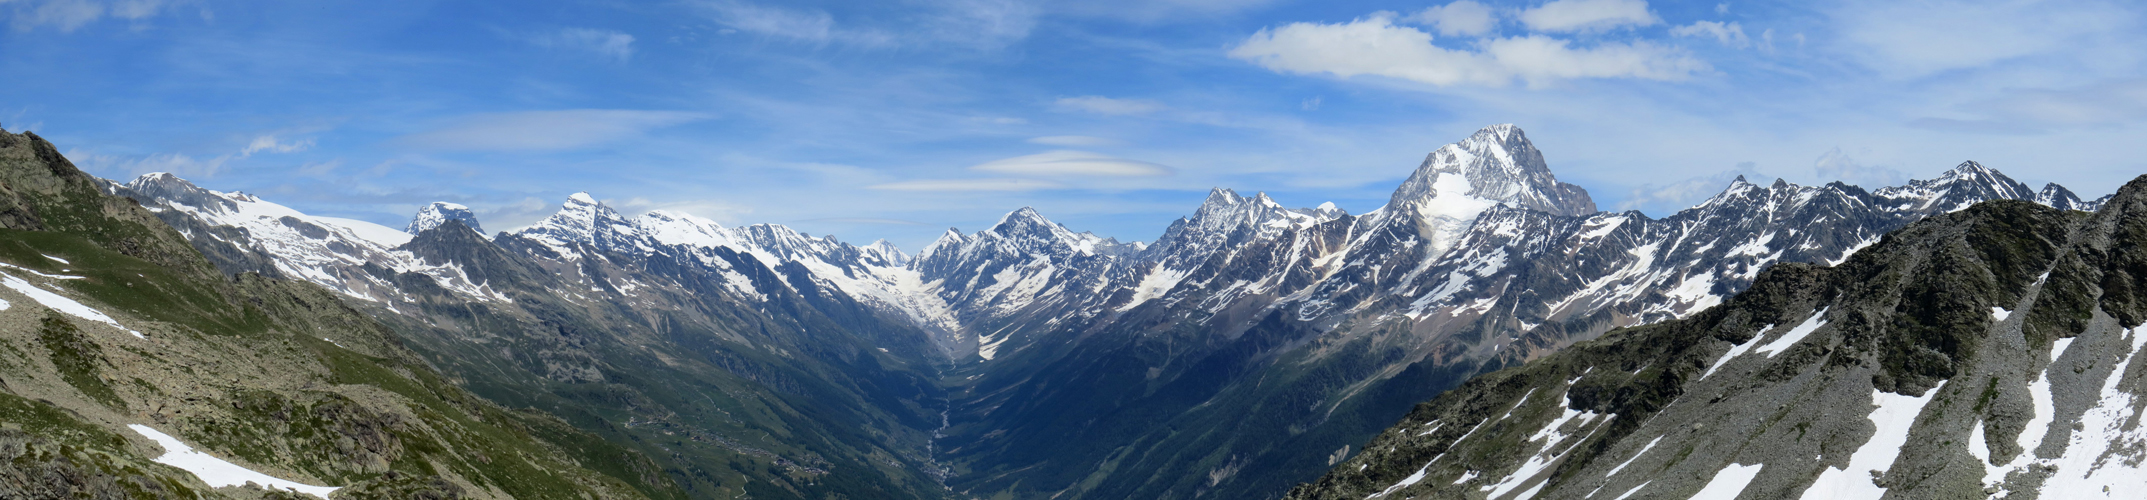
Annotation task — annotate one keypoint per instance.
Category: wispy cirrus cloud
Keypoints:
(969, 185)
(182, 164)
(1916, 39)
(69, 15)
(1375, 46)
(2019, 111)
(608, 44)
(1073, 141)
(546, 130)
(1072, 163)
(1108, 106)
(984, 24)
(1665, 198)
(1063, 169)
(1568, 16)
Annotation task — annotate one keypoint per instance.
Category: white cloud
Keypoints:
(1074, 140)
(1914, 39)
(185, 165)
(69, 15)
(2035, 110)
(865, 220)
(1108, 106)
(1072, 163)
(1663, 199)
(1375, 46)
(270, 144)
(547, 130)
(1728, 33)
(974, 23)
(1838, 166)
(969, 185)
(1462, 18)
(1567, 16)
(1157, 11)
(609, 44)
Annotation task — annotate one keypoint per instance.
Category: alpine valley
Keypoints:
(1759, 337)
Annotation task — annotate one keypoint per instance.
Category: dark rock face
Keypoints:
(1986, 351)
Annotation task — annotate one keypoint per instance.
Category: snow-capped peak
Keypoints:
(953, 239)
(179, 192)
(582, 219)
(1497, 164)
(885, 251)
(1964, 185)
(439, 212)
(684, 229)
(1027, 223)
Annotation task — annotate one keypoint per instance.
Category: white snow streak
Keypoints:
(1894, 417)
(62, 304)
(215, 471)
(1728, 482)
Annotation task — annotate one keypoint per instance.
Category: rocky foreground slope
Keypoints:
(131, 368)
(1990, 352)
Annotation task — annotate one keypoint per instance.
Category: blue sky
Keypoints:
(898, 119)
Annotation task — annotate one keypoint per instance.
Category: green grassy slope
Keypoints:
(277, 376)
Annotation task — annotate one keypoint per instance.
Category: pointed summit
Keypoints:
(439, 212)
(2056, 196)
(174, 190)
(1496, 164)
(581, 219)
(1964, 185)
(1024, 220)
(1220, 196)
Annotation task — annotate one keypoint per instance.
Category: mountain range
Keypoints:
(1985, 353)
(1247, 349)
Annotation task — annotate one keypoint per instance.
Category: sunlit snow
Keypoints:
(1895, 415)
(1728, 482)
(215, 471)
(61, 303)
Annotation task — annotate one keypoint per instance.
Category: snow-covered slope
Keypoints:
(332, 252)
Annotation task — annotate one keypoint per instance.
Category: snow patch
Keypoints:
(1636, 456)
(1155, 284)
(1795, 335)
(215, 471)
(2103, 455)
(1728, 482)
(62, 304)
(1895, 416)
